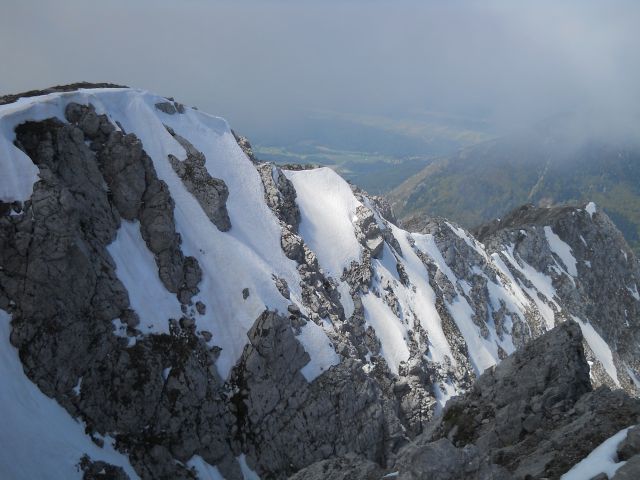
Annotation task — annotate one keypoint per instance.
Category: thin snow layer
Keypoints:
(600, 349)
(601, 460)
(313, 339)
(562, 250)
(245, 257)
(137, 270)
(39, 439)
(591, 208)
(328, 211)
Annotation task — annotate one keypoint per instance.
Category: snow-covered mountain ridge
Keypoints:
(204, 313)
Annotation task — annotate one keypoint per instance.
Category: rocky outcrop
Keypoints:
(59, 284)
(279, 195)
(342, 411)
(211, 193)
(603, 287)
(534, 415)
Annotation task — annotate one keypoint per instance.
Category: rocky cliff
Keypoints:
(206, 315)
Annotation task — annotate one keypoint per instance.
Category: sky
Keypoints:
(266, 64)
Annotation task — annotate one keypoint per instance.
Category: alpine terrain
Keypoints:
(173, 308)
(551, 164)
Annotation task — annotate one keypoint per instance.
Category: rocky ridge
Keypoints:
(347, 357)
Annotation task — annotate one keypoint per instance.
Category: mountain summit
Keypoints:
(171, 307)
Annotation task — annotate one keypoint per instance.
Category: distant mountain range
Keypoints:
(544, 166)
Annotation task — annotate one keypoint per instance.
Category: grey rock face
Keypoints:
(211, 193)
(170, 107)
(367, 231)
(59, 283)
(602, 292)
(245, 145)
(279, 194)
(348, 467)
(340, 412)
(540, 397)
(137, 193)
(440, 460)
(629, 471)
(99, 470)
(534, 415)
(630, 446)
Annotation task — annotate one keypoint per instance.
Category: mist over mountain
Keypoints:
(564, 160)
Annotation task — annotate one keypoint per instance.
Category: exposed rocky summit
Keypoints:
(533, 416)
(206, 314)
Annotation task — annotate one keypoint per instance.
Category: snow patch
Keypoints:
(591, 208)
(327, 209)
(137, 270)
(391, 332)
(601, 460)
(319, 347)
(600, 349)
(562, 250)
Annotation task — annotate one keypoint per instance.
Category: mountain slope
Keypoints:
(540, 166)
(203, 313)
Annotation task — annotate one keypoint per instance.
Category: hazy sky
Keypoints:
(265, 63)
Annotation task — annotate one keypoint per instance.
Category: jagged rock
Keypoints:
(630, 470)
(99, 470)
(201, 307)
(55, 252)
(211, 193)
(280, 195)
(348, 467)
(630, 446)
(440, 460)
(136, 191)
(160, 396)
(243, 143)
(167, 107)
(534, 400)
(341, 411)
(367, 231)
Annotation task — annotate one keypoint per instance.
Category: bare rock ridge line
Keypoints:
(403, 323)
